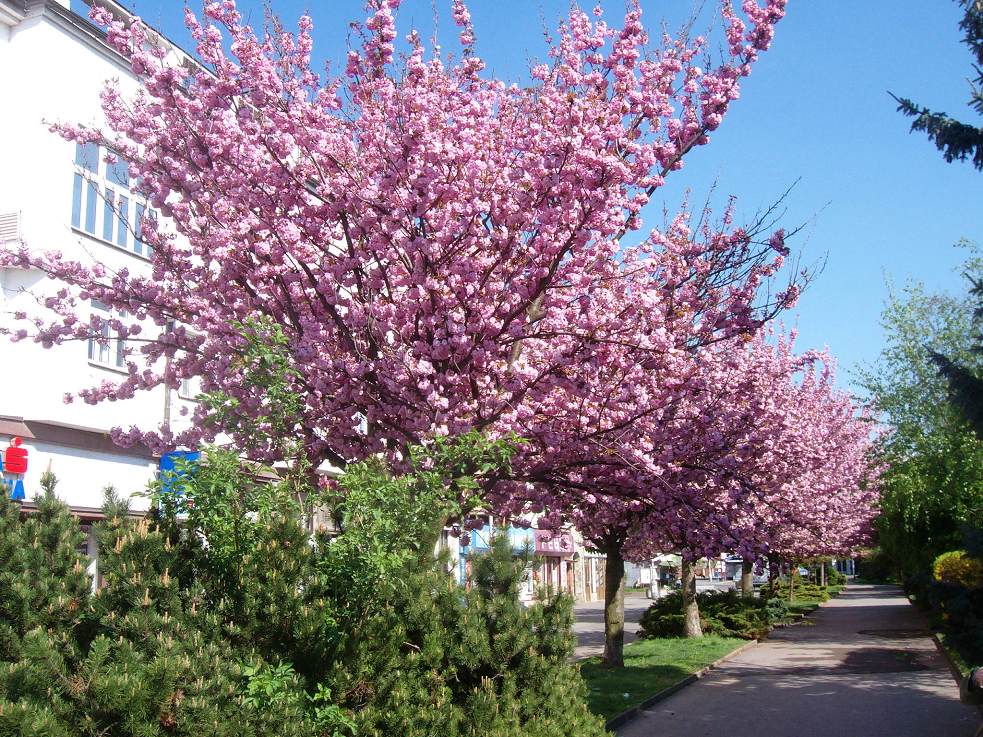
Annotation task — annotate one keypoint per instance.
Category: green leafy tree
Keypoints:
(933, 483)
(955, 139)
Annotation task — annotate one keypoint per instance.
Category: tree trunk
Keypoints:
(747, 578)
(691, 609)
(791, 583)
(822, 574)
(774, 570)
(614, 607)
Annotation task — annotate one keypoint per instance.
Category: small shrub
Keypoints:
(664, 618)
(777, 609)
(957, 567)
(726, 613)
(802, 591)
(835, 577)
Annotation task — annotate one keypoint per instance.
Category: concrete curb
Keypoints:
(619, 719)
(954, 670)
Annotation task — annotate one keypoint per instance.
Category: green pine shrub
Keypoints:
(133, 658)
(724, 613)
(835, 577)
(438, 660)
(220, 615)
(801, 591)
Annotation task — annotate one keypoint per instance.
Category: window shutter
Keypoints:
(9, 226)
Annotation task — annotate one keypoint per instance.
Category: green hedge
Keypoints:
(724, 613)
(801, 592)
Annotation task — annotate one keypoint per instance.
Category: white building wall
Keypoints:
(84, 474)
(52, 71)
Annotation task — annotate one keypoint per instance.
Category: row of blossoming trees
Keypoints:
(444, 252)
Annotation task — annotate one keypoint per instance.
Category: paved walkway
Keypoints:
(588, 624)
(862, 666)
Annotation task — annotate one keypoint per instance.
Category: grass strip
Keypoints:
(650, 666)
(956, 658)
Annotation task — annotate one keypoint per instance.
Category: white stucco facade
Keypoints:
(53, 65)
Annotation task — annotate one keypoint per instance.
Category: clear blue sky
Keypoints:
(879, 203)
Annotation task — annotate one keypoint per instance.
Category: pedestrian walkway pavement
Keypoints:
(863, 665)
(588, 624)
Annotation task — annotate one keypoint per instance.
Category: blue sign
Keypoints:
(175, 466)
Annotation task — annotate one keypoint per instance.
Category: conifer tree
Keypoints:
(437, 660)
(134, 658)
(957, 140)
(43, 579)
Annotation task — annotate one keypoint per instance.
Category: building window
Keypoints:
(101, 201)
(189, 388)
(106, 348)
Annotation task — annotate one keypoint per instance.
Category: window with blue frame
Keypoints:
(101, 200)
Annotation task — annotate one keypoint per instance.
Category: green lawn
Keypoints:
(650, 666)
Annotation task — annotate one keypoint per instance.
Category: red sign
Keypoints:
(549, 542)
(15, 457)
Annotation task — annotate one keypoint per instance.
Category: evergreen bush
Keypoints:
(438, 660)
(955, 598)
(777, 609)
(724, 613)
(219, 615)
(801, 591)
(133, 658)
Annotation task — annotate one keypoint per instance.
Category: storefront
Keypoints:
(84, 461)
(556, 572)
(590, 570)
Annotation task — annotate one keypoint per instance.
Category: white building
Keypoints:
(53, 196)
